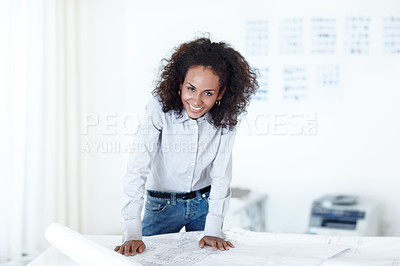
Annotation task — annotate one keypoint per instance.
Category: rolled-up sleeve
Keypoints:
(144, 147)
(221, 176)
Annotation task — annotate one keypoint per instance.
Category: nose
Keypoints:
(197, 99)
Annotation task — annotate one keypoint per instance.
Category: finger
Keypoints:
(121, 250)
(142, 248)
(116, 248)
(133, 250)
(214, 245)
(137, 248)
(225, 245)
(220, 245)
(201, 243)
(230, 244)
(127, 249)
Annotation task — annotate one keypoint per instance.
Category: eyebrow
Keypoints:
(195, 87)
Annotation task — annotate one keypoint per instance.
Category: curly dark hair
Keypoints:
(233, 70)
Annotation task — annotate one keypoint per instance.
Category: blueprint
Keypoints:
(366, 251)
(250, 249)
(170, 250)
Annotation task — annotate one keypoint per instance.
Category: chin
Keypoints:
(195, 116)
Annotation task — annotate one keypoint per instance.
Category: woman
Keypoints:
(186, 141)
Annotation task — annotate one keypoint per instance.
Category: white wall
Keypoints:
(353, 151)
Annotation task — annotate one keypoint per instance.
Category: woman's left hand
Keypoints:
(215, 242)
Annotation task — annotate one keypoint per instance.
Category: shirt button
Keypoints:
(190, 176)
(192, 164)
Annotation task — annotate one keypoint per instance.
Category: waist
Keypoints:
(188, 195)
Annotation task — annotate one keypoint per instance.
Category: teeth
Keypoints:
(191, 106)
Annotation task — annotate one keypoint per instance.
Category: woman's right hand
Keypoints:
(130, 247)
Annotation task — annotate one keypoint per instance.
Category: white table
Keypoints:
(257, 246)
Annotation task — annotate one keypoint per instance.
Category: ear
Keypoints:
(221, 93)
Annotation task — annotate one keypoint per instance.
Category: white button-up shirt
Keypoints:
(178, 154)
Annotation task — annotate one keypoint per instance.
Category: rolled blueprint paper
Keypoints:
(82, 250)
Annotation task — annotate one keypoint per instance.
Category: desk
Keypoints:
(252, 248)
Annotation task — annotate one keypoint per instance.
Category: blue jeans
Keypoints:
(169, 215)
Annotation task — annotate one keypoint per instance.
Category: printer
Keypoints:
(344, 215)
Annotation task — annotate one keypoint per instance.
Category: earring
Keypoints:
(217, 102)
(179, 92)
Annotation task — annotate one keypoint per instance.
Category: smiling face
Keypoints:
(199, 91)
